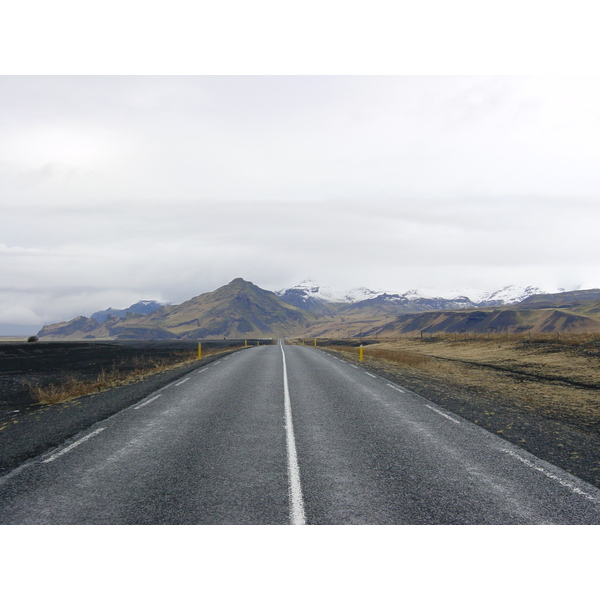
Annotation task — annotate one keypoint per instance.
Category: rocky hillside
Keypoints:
(239, 309)
(143, 307)
(508, 320)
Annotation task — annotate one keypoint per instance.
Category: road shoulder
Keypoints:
(575, 448)
(38, 431)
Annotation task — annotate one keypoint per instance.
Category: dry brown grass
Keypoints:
(569, 339)
(575, 361)
(73, 387)
(407, 359)
(560, 380)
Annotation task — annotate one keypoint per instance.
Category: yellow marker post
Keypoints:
(315, 342)
(245, 343)
(360, 353)
(199, 350)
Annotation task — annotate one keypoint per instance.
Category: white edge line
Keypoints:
(439, 412)
(395, 388)
(297, 515)
(371, 374)
(74, 444)
(147, 401)
(182, 381)
(547, 473)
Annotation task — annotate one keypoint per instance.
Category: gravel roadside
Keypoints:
(35, 432)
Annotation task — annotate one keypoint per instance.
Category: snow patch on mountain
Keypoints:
(360, 294)
(513, 294)
(308, 291)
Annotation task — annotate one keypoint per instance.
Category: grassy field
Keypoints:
(557, 375)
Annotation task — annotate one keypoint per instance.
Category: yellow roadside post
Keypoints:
(360, 353)
(245, 343)
(315, 342)
(199, 350)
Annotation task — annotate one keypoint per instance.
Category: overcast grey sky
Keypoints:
(114, 189)
(120, 188)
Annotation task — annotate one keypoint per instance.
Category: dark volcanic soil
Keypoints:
(27, 429)
(44, 363)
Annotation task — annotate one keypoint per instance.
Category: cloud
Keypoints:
(114, 189)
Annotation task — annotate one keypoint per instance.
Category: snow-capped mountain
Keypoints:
(513, 294)
(361, 294)
(408, 302)
(324, 300)
(241, 309)
(309, 289)
(310, 295)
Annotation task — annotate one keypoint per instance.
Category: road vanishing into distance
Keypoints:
(287, 434)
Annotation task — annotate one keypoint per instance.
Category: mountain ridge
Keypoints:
(240, 309)
(142, 307)
(308, 292)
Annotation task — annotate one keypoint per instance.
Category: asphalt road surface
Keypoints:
(290, 435)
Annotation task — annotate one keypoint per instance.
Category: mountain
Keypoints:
(312, 296)
(562, 299)
(566, 312)
(513, 294)
(309, 296)
(239, 309)
(79, 327)
(498, 320)
(143, 307)
(388, 304)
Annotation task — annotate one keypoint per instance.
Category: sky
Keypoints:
(116, 188)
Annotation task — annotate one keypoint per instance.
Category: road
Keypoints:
(290, 435)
